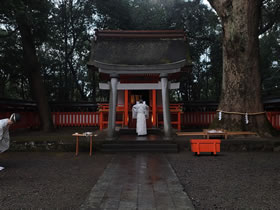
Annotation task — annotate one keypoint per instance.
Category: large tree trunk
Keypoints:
(241, 87)
(32, 67)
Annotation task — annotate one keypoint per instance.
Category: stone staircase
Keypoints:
(128, 141)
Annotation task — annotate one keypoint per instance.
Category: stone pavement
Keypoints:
(138, 181)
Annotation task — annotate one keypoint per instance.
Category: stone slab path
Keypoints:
(138, 181)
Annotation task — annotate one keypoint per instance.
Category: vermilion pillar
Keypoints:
(179, 121)
(154, 111)
(126, 108)
(101, 120)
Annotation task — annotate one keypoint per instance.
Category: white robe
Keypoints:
(4, 135)
(140, 112)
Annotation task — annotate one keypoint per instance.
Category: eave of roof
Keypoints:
(140, 34)
(157, 68)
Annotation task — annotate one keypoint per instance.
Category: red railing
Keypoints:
(29, 120)
(274, 118)
(75, 119)
(104, 113)
(60, 119)
(83, 119)
(203, 119)
(198, 119)
(175, 115)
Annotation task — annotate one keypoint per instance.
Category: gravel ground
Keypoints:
(48, 180)
(247, 180)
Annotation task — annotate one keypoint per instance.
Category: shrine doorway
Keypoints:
(136, 95)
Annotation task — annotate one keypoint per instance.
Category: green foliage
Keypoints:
(11, 57)
(270, 47)
(13, 80)
(133, 14)
(204, 35)
(270, 63)
(113, 14)
(63, 31)
(68, 47)
(11, 72)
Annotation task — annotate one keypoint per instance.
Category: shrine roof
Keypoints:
(136, 50)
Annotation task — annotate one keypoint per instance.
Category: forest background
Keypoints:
(45, 46)
(62, 31)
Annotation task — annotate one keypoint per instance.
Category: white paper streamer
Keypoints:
(220, 115)
(246, 118)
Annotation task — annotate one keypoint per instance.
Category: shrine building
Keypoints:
(136, 65)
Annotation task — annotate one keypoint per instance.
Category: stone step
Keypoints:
(144, 146)
(133, 131)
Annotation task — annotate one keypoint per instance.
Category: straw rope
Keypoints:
(241, 113)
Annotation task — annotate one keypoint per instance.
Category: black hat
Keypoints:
(15, 117)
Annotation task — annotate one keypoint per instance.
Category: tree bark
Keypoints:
(32, 67)
(241, 85)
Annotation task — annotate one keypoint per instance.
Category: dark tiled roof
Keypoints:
(139, 47)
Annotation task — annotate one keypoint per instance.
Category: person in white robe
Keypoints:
(4, 132)
(140, 112)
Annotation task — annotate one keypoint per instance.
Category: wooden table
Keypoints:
(77, 135)
(240, 133)
(213, 132)
(191, 134)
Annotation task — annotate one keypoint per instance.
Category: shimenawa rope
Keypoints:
(246, 114)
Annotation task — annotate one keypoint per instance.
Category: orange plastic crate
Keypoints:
(205, 145)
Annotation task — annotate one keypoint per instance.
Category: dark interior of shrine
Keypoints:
(136, 95)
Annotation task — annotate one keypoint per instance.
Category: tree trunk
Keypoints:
(241, 86)
(32, 67)
(92, 79)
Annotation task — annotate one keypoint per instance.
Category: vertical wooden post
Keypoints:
(154, 111)
(77, 145)
(90, 146)
(273, 120)
(179, 120)
(100, 120)
(113, 103)
(165, 106)
(57, 119)
(125, 108)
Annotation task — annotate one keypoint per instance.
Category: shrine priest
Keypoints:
(4, 132)
(140, 112)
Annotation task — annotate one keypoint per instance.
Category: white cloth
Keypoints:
(4, 135)
(140, 112)
(134, 113)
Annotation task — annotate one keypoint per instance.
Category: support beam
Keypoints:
(112, 106)
(154, 110)
(138, 86)
(125, 108)
(165, 105)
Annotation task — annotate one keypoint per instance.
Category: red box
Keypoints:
(205, 145)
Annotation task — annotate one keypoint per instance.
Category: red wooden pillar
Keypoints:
(90, 146)
(154, 111)
(126, 108)
(100, 120)
(179, 121)
(56, 119)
